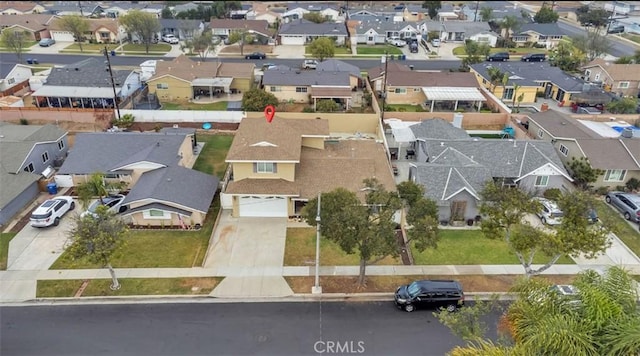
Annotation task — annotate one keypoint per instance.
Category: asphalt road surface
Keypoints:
(305, 328)
(618, 48)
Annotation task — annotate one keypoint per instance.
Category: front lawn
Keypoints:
(130, 286)
(379, 49)
(217, 106)
(5, 238)
(470, 247)
(337, 50)
(405, 108)
(632, 37)
(213, 155)
(612, 219)
(154, 47)
(460, 51)
(300, 250)
(91, 47)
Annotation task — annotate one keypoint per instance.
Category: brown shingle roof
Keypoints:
(263, 186)
(392, 67)
(94, 25)
(324, 92)
(21, 6)
(187, 69)
(280, 140)
(261, 26)
(559, 125)
(432, 79)
(33, 22)
(617, 72)
(610, 153)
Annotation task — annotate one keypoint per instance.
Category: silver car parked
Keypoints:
(628, 204)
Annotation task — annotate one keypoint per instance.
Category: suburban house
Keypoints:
(20, 8)
(35, 24)
(623, 79)
(500, 10)
(308, 86)
(379, 29)
(454, 167)
(278, 166)
(300, 32)
(628, 8)
(86, 84)
(459, 31)
(543, 34)
(81, 8)
(414, 13)
(532, 77)
(298, 10)
(485, 37)
(224, 27)
(182, 29)
(29, 153)
(18, 75)
(262, 12)
(184, 79)
(155, 167)
(104, 30)
(603, 143)
(121, 8)
(334, 65)
(435, 91)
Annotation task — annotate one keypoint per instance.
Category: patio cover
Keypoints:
(453, 94)
(593, 97)
(401, 130)
(56, 91)
(212, 82)
(324, 92)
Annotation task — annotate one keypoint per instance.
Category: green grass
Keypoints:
(634, 38)
(613, 220)
(470, 247)
(213, 155)
(460, 51)
(300, 250)
(337, 50)
(130, 286)
(154, 47)
(217, 106)
(90, 47)
(406, 107)
(379, 49)
(4, 248)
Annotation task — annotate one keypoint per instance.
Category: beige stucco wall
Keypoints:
(178, 91)
(498, 91)
(413, 96)
(242, 84)
(610, 84)
(313, 142)
(242, 170)
(195, 218)
(287, 93)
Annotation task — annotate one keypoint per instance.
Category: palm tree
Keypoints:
(509, 23)
(95, 186)
(495, 76)
(486, 14)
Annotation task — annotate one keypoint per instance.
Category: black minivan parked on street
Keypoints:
(533, 57)
(446, 294)
(498, 56)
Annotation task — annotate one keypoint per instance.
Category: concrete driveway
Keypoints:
(54, 49)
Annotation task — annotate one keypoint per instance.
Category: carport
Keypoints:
(470, 97)
(209, 86)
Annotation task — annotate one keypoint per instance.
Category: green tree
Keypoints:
(143, 25)
(201, 44)
(504, 209)
(166, 13)
(467, 323)
(422, 216)
(322, 48)
(486, 14)
(124, 122)
(97, 237)
(326, 105)
(625, 60)
(315, 17)
(567, 57)
(583, 173)
(257, 99)
(593, 44)
(495, 77)
(546, 15)
(432, 8)
(509, 24)
(476, 53)
(96, 186)
(597, 18)
(16, 41)
(75, 24)
(222, 9)
(626, 105)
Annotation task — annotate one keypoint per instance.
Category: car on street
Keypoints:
(628, 204)
(51, 211)
(255, 55)
(266, 66)
(549, 212)
(447, 294)
(498, 57)
(533, 57)
(616, 29)
(310, 64)
(435, 42)
(46, 42)
(170, 39)
(113, 202)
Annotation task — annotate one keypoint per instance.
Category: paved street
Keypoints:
(374, 328)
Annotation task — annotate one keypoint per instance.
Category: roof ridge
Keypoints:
(629, 151)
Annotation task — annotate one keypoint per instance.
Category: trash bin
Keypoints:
(52, 188)
(29, 61)
(403, 57)
(113, 53)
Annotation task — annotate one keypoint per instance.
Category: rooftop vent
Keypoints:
(627, 132)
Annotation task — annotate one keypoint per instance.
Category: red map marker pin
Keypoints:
(269, 112)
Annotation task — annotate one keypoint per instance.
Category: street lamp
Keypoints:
(316, 289)
(113, 83)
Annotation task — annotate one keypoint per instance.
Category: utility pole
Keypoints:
(384, 84)
(113, 83)
(80, 6)
(316, 289)
(475, 16)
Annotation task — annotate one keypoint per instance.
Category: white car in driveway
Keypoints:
(170, 39)
(113, 202)
(51, 211)
(549, 213)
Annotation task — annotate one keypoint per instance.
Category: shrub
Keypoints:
(552, 193)
(24, 121)
(633, 184)
(621, 188)
(307, 109)
(602, 190)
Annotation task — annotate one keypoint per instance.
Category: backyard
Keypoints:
(217, 106)
(404, 108)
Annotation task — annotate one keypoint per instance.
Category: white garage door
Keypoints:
(62, 36)
(293, 40)
(263, 206)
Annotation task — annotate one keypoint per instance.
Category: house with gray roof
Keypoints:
(29, 153)
(542, 34)
(181, 28)
(459, 31)
(154, 167)
(379, 29)
(334, 65)
(86, 84)
(454, 169)
(296, 11)
(300, 32)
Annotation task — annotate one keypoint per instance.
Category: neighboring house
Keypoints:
(29, 152)
(333, 65)
(379, 29)
(543, 34)
(628, 8)
(20, 8)
(184, 79)
(486, 37)
(35, 24)
(182, 29)
(459, 31)
(19, 74)
(308, 86)
(617, 156)
(121, 8)
(434, 90)
(277, 167)
(298, 10)
(261, 11)
(224, 27)
(623, 79)
(104, 30)
(453, 168)
(500, 11)
(178, 8)
(153, 166)
(86, 84)
(532, 77)
(300, 32)
(82, 8)
(414, 13)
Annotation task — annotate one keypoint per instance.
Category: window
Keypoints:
(11, 80)
(301, 89)
(45, 157)
(265, 167)
(614, 175)
(275, 89)
(540, 133)
(623, 85)
(542, 181)
(558, 37)
(508, 94)
(597, 77)
(484, 81)
(61, 144)
(587, 73)
(104, 35)
(416, 89)
(162, 86)
(564, 150)
(29, 168)
(400, 90)
(156, 214)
